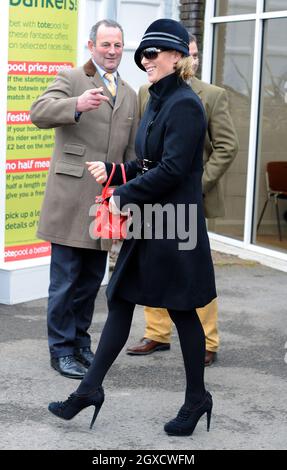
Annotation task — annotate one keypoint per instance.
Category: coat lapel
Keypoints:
(120, 93)
(91, 71)
(89, 68)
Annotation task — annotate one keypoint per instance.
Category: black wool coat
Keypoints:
(161, 272)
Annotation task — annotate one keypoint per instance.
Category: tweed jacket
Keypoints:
(106, 134)
(221, 142)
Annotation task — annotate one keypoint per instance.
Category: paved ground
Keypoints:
(248, 382)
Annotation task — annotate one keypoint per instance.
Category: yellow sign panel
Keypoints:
(42, 40)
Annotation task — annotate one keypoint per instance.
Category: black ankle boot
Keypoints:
(75, 403)
(187, 418)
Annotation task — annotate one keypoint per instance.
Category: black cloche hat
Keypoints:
(164, 34)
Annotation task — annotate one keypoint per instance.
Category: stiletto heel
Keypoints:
(208, 416)
(75, 403)
(97, 409)
(187, 418)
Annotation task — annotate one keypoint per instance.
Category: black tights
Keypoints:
(115, 335)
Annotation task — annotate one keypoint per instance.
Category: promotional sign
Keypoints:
(42, 40)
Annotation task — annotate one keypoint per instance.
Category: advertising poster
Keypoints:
(42, 40)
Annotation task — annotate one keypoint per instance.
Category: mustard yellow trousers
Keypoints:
(159, 324)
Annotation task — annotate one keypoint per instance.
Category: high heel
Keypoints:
(75, 403)
(187, 418)
(208, 416)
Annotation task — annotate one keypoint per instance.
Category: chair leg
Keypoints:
(278, 218)
(262, 213)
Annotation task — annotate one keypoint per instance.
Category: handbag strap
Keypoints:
(109, 181)
(111, 177)
(123, 173)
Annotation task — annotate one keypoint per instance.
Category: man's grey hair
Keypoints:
(108, 24)
(192, 38)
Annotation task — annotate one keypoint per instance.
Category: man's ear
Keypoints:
(90, 45)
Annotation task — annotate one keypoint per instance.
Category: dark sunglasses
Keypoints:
(151, 53)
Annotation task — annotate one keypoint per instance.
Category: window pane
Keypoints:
(235, 7)
(233, 62)
(272, 143)
(275, 5)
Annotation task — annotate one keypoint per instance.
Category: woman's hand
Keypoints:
(98, 170)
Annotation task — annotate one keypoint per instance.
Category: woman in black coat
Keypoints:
(168, 263)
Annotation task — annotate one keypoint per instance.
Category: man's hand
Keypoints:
(98, 170)
(90, 99)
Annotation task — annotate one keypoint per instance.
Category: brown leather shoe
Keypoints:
(147, 346)
(210, 357)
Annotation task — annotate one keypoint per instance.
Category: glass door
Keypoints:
(270, 211)
(232, 69)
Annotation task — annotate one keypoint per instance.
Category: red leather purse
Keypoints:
(108, 225)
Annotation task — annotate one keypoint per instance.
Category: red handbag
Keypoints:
(108, 225)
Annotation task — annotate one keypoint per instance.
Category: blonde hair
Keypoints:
(185, 68)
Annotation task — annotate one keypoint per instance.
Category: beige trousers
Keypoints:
(159, 324)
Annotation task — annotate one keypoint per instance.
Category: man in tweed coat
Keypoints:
(92, 121)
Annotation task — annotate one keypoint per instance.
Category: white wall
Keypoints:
(128, 16)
